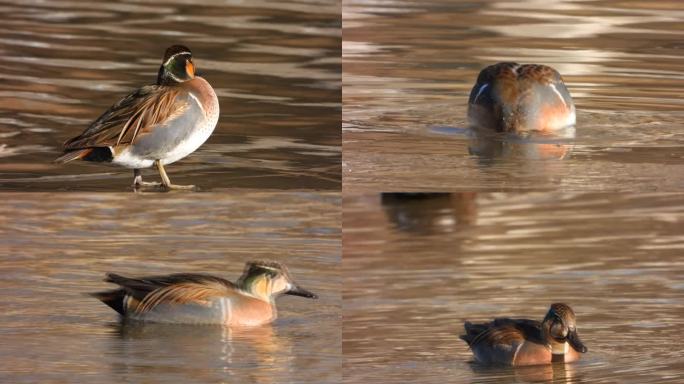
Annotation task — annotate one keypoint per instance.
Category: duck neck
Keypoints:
(559, 348)
(165, 77)
(259, 287)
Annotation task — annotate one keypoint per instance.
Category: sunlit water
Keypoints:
(408, 67)
(54, 251)
(416, 268)
(275, 66)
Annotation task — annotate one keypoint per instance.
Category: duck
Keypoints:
(519, 342)
(520, 99)
(192, 298)
(155, 125)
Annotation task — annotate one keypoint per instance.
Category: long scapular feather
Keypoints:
(73, 155)
(178, 294)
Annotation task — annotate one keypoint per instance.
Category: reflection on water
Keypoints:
(275, 67)
(424, 213)
(410, 65)
(552, 373)
(154, 350)
(493, 148)
(416, 266)
(54, 251)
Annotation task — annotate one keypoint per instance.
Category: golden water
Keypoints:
(415, 268)
(408, 67)
(275, 67)
(54, 251)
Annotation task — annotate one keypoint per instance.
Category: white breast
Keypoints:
(201, 132)
(177, 138)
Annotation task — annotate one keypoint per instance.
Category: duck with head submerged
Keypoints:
(513, 98)
(517, 342)
(154, 125)
(187, 298)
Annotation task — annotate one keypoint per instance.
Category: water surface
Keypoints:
(416, 268)
(275, 67)
(53, 251)
(408, 67)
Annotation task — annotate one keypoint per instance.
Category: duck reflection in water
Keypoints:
(559, 373)
(223, 351)
(520, 111)
(427, 213)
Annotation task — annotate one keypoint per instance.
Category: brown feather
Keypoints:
(182, 293)
(141, 110)
(506, 334)
(73, 155)
(502, 331)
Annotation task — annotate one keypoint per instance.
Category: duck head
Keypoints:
(269, 279)
(559, 329)
(177, 66)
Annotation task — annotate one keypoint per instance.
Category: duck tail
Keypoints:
(471, 331)
(114, 299)
(466, 337)
(73, 155)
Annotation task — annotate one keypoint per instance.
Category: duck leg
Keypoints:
(138, 181)
(166, 182)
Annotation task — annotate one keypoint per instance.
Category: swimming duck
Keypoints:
(514, 98)
(188, 298)
(154, 125)
(526, 342)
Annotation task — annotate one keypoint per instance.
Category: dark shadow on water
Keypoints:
(429, 213)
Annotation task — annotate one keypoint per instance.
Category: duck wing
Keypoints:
(135, 113)
(151, 291)
(530, 328)
(502, 331)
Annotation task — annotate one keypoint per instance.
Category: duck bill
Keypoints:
(299, 291)
(576, 343)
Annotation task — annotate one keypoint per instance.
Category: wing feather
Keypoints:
(181, 293)
(177, 288)
(503, 331)
(135, 113)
